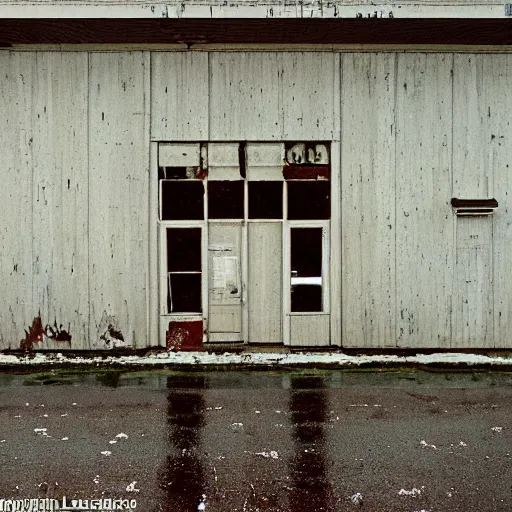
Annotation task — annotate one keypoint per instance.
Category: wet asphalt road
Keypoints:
(368, 441)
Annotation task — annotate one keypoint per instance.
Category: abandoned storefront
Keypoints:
(186, 196)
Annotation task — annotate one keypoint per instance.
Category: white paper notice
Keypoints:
(218, 273)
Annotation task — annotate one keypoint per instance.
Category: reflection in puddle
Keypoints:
(310, 488)
(183, 476)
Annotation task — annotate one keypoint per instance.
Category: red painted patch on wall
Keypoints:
(187, 336)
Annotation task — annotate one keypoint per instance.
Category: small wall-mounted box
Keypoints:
(471, 207)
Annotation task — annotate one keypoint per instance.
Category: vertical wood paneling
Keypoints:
(265, 282)
(244, 96)
(470, 117)
(368, 205)
(307, 89)
(118, 185)
(16, 309)
(309, 330)
(179, 96)
(424, 222)
(60, 195)
(472, 322)
(472, 294)
(272, 96)
(498, 136)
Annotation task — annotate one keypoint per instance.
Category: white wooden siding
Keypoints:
(424, 219)
(271, 96)
(77, 252)
(179, 96)
(472, 325)
(472, 320)
(265, 282)
(498, 135)
(16, 309)
(118, 188)
(368, 204)
(309, 330)
(60, 195)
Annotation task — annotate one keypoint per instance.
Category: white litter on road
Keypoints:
(106, 453)
(426, 445)
(269, 455)
(497, 429)
(356, 498)
(257, 359)
(122, 436)
(413, 492)
(131, 487)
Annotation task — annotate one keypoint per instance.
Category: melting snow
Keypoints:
(268, 455)
(131, 487)
(413, 492)
(202, 503)
(273, 359)
(356, 498)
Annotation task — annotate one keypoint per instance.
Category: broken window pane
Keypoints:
(184, 250)
(265, 200)
(184, 295)
(306, 269)
(182, 200)
(309, 200)
(226, 199)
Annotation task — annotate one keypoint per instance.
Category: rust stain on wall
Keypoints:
(37, 334)
(185, 336)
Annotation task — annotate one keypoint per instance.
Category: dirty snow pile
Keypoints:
(256, 359)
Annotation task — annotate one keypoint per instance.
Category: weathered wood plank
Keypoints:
(472, 320)
(424, 219)
(272, 96)
(265, 282)
(471, 173)
(368, 206)
(244, 101)
(179, 96)
(309, 330)
(60, 198)
(498, 138)
(472, 325)
(16, 308)
(307, 90)
(118, 214)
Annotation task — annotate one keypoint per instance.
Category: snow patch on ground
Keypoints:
(269, 455)
(356, 498)
(413, 492)
(266, 359)
(131, 487)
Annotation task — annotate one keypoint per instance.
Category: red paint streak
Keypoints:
(186, 336)
(37, 333)
(306, 172)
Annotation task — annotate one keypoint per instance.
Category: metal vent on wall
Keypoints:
(473, 207)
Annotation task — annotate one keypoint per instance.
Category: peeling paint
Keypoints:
(37, 334)
(113, 337)
(184, 336)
